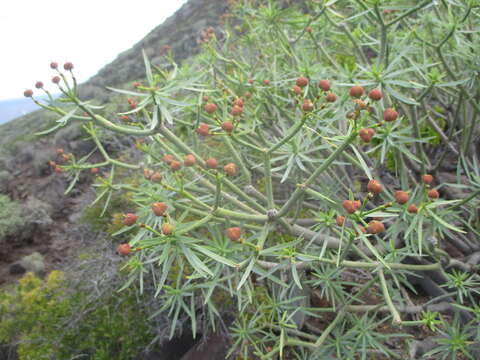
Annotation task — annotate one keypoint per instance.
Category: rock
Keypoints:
(17, 269)
(31, 263)
(420, 347)
(8, 352)
(214, 347)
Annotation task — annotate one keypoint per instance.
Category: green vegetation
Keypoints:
(317, 199)
(48, 321)
(10, 217)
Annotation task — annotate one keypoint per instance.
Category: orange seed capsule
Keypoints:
(167, 229)
(412, 209)
(427, 178)
(156, 177)
(130, 219)
(124, 249)
(234, 233)
(211, 163)
(189, 160)
(401, 197)
(374, 187)
(375, 227)
(159, 208)
(433, 194)
(230, 169)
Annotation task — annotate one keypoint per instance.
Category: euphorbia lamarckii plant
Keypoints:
(295, 184)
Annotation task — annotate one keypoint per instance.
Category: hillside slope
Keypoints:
(24, 174)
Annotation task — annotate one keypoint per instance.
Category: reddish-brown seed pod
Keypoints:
(331, 97)
(251, 81)
(340, 220)
(205, 98)
(133, 105)
(66, 157)
(412, 209)
(56, 79)
(361, 228)
(159, 208)
(167, 229)
(239, 102)
(230, 169)
(94, 170)
(156, 177)
(362, 105)
(234, 233)
(58, 169)
(297, 89)
(227, 126)
(401, 197)
(324, 85)
(167, 158)
(147, 173)
(266, 82)
(124, 249)
(375, 227)
(175, 165)
(302, 81)
(248, 94)
(39, 84)
(203, 129)
(237, 110)
(374, 187)
(433, 194)
(211, 163)
(129, 219)
(366, 134)
(357, 204)
(375, 94)
(68, 66)
(307, 105)
(53, 65)
(210, 108)
(349, 206)
(309, 29)
(28, 93)
(189, 160)
(427, 179)
(52, 163)
(390, 114)
(60, 150)
(136, 84)
(356, 91)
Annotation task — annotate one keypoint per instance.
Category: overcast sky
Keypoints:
(87, 33)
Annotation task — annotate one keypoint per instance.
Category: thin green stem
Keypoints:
(397, 319)
(268, 180)
(408, 12)
(291, 133)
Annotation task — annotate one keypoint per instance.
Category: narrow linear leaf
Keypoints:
(246, 273)
(444, 223)
(215, 256)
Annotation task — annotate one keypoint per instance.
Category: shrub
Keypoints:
(10, 217)
(41, 317)
(267, 235)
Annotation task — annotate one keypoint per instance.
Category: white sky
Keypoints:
(87, 33)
